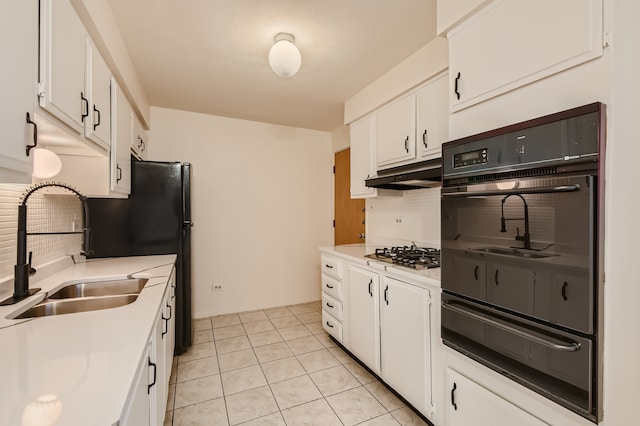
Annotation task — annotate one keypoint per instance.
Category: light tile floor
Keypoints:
(276, 367)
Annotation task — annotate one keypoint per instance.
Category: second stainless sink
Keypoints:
(58, 307)
(100, 288)
(514, 252)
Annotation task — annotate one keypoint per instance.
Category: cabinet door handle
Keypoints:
(386, 297)
(98, 111)
(329, 305)
(155, 371)
(165, 329)
(328, 266)
(35, 134)
(564, 291)
(475, 272)
(170, 311)
(453, 396)
(456, 86)
(140, 142)
(119, 170)
(329, 324)
(424, 139)
(144, 145)
(328, 286)
(86, 107)
(370, 284)
(406, 144)
(495, 278)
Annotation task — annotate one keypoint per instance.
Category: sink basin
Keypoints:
(100, 288)
(59, 307)
(514, 252)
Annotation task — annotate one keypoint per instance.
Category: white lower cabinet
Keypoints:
(147, 400)
(405, 341)
(472, 404)
(364, 319)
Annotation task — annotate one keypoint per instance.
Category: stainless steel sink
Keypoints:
(100, 288)
(71, 306)
(514, 252)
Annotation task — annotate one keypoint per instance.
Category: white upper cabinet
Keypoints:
(18, 46)
(97, 124)
(121, 131)
(139, 143)
(63, 63)
(511, 43)
(432, 110)
(362, 162)
(395, 132)
(452, 12)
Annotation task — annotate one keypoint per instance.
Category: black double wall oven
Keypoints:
(522, 253)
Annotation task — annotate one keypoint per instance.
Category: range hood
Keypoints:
(425, 174)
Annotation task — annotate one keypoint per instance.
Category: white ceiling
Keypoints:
(211, 56)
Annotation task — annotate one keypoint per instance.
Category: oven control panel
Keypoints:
(470, 158)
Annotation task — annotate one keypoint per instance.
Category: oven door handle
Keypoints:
(551, 341)
(520, 191)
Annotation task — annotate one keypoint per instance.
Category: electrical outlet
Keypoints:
(216, 287)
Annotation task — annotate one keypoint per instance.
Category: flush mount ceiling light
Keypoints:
(284, 56)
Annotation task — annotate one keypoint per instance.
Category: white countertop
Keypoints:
(86, 361)
(356, 253)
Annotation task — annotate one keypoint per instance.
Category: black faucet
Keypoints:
(23, 269)
(527, 236)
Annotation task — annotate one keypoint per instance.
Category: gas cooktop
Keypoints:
(408, 256)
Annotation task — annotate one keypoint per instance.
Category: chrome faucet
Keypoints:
(526, 238)
(23, 269)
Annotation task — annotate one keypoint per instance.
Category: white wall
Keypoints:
(340, 139)
(262, 205)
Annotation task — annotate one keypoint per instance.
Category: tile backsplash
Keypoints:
(45, 213)
(414, 216)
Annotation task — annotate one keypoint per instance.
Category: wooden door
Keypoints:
(349, 214)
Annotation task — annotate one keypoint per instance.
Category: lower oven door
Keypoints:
(550, 361)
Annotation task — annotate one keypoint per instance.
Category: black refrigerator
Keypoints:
(155, 219)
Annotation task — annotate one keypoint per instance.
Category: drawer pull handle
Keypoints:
(564, 291)
(475, 272)
(496, 277)
(329, 286)
(329, 305)
(329, 324)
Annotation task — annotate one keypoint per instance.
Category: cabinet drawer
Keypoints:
(332, 287)
(332, 326)
(332, 306)
(331, 266)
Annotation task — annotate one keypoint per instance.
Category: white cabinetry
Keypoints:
(472, 404)
(137, 411)
(97, 124)
(432, 122)
(63, 63)
(18, 45)
(140, 140)
(363, 286)
(395, 132)
(405, 336)
(414, 127)
(363, 164)
(511, 43)
(332, 296)
(121, 131)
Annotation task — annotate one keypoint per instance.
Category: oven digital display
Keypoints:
(470, 158)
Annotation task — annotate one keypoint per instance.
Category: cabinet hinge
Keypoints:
(41, 90)
(605, 39)
(429, 300)
(334, 223)
(334, 170)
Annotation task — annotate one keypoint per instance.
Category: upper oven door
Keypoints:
(527, 246)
